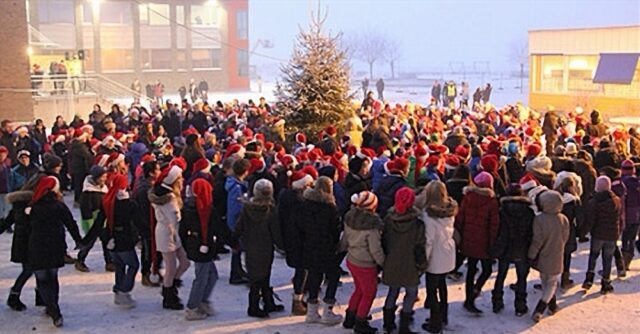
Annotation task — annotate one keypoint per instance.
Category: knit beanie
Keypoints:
(96, 171)
(404, 200)
(51, 161)
(628, 167)
(365, 200)
(263, 189)
(484, 180)
(603, 183)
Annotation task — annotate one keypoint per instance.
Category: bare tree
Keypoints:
(370, 47)
(519, 54)
(391, 53)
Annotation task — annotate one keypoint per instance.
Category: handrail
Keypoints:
(126, 89)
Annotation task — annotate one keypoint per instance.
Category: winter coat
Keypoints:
(125, 226)
(5, 177)
(81, 158)
(632, 200)
(588, 176)
(320, 231)
(453, 141)
(259, 231)
(361, 238)
(48, 219)
(455, 188)
(377, 171)
(141, 197)
(168, 216)
(290, 206)
(403, 240)
(596, 129)
(515, 169)
(550, 234)
(516, 229)
(354, 184)
(386, 192)
(550, 124)
(440, 248)
(565, 174)
(603, 216)
(477, 221)
(236, 190)
(190, 232)
(20, 174)
(546, 178)
(606, 157)
(571, 209)
(17, 217)
(91, 198)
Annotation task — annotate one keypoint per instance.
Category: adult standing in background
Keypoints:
(365, 86)
(435, 91)
(380, 89)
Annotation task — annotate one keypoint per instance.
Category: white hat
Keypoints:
(174, 173)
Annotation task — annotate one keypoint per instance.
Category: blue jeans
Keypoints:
(629, 236)
(410, 296)
(205, 280)
(126, 269)
(606, 248)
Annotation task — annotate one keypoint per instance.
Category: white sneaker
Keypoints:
(328, 317)
(312, 314)
(207, 309)
(194, 314)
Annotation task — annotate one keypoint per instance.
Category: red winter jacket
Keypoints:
(477, 221)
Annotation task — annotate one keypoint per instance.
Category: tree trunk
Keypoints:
(371, 71)
(393, 72)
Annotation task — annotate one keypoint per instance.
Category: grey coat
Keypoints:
(550, 233)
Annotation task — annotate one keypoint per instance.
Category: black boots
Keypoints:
(588, 281)
(537, 314)
(268, 300)
(553, 306)
(56, 316)
(405, 322)
(497, 301)
(14, 302)
(349, 319)
(565, 281)
(362, 327)
(389, 319)
(606, 286)
(521, 304)
(298, 306)
(170, 300)
(254, 309)
(39, 301)
(627, 258)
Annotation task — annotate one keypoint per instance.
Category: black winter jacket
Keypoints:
(515, 231)
(320, 233)
(125, 226)
(191, 234)
(386, 192)
(289, 213)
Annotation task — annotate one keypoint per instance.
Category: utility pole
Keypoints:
(521, 78)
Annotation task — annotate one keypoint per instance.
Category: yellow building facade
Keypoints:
(594, 68)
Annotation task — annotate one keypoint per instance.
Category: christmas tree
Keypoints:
(315, 83)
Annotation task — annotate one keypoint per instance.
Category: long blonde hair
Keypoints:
(435, 194)
(176, 189)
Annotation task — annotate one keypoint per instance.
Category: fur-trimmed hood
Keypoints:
(480, 191)
(19, 196)
(447, 209)
(89, 186)
(160, 199)
(520, 199)
(315, 195)
(550, 201)
(360, 219)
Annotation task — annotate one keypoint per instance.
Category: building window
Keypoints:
(581, 71)
(154, 14)
(551, 72)
(87, 13)
(153, 59)
(204, 16)
(205, 58)
(117, 59)
(180, 15)
(181, 59)
(56, 11)
(243, 63)
(115, 12)
(242, 25)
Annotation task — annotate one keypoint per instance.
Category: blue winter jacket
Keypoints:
(377, 171)
(235, 190)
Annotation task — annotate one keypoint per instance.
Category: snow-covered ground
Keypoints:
(87, 305)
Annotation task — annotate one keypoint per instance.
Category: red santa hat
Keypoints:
(179, 161)
(101, 160)
(533, 150)
(169, 177)
(301, 138)
(189, 131)
(202, 165)
(310, 170)
(331, 130)
(256, 165)
(452, 162)
(114, 159)
(489, 163)
(119, 182)
(462, 151)
(421, 152)
(433, 161)
(528, 182)
(235, 149)
(203, 193)
(301, 180)
(368, 153)
(288, 161)
(400, 165)
(45, 185)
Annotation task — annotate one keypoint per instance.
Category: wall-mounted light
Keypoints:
(29, 51)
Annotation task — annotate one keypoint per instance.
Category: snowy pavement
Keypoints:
(86, 301)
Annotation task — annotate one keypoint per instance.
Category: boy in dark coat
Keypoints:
(390, 183)
(511, 246)
(259, 231)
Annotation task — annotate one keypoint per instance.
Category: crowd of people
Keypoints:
(397, 192)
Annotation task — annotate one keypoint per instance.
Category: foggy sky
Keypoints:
(435, 32)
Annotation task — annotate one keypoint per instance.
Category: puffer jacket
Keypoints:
(377, 170)
(320, 230)
(477, 221)
(361, 238)
(440, 248)
(236, 189)
(17, 217)
(603, 216)
(289, 212)
(125, 226)
(386, 192)
(516, 229)
(632, 201)
(403, 240)
(550, 234)
(190, 231)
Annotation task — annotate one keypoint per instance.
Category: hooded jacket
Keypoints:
(632, 200)
(320, 231)
(386, 192)
(516, 229)
(17, 217)
(550, 233)
(125, 226)
(168, 216)
(440, 248)
(403, 240)
(236, 189)
(289, 212)
(362, 239)
(477, 221)
(603, 216)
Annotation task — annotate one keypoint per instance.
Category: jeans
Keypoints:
(410, 296)
(5, 206)
(48, 286)
(299, 281)
(22, 279)
(629, 237)
(522, 271)
(97, 231)
(203, 284)
(607, 248)
(549, 286)
(472, 287)
(314, 281)
(438, 303)
(366, 286)
(126, 269)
